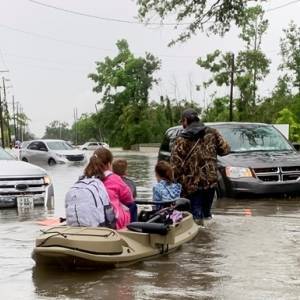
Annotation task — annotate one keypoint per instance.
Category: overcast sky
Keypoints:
(49, 53)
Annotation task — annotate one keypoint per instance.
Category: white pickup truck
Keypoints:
(23, 184)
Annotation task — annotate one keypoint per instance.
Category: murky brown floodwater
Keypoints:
(249, 251)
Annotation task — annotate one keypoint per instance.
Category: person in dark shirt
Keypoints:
(194, 161)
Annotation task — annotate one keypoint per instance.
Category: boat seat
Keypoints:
(143, 227)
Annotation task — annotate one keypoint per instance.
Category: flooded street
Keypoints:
(249, 251)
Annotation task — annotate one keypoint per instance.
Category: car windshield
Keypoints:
(25, 144)
(5, 156)
(57, 145)
(254, 138)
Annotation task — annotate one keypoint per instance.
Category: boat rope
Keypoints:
(56, 233)
(65, 235)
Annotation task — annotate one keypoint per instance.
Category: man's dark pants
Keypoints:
(201, 202)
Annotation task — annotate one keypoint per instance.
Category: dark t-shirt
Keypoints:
(131, 185)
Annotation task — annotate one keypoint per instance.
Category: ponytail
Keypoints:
(98, 163)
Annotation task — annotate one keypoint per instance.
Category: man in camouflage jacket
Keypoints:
(194, 160)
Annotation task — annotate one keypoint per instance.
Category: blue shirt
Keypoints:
(163, 191)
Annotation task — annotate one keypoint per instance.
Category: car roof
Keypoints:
(236, 123)
(47, 140)
(223, 123)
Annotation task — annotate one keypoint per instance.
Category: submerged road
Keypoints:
(249, 251)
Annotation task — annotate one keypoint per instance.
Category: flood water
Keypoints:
(249, 251)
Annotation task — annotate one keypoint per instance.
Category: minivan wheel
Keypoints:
(25, 159)
(51, 162)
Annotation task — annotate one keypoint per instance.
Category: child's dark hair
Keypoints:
(98, 162)
(120, 166)
(164, 170)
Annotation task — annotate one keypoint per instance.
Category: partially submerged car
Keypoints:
(94, 145)
(51, 152)
(261, 162)
(23, 184)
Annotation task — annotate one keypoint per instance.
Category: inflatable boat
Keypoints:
(86, 247)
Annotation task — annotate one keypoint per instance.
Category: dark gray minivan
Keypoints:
(261, 162)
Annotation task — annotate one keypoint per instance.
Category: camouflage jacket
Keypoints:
(200, 168)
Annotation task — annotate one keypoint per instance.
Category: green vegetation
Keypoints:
(128, 115)
(216, 16)
(252, 66)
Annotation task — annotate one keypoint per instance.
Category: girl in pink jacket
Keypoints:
(120, 197)
(119, 193)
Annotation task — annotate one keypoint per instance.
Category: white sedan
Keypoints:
(51, 152)
(94, 145)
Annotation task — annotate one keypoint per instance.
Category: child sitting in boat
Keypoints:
(165, 188)
(119, 167)
(100, 187)
(87, 202)
(119, 193)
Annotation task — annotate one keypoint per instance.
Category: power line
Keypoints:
(283, 5)
(43, 59)
(72, 43)
(78, 13)
(117, 20)
(52, 38)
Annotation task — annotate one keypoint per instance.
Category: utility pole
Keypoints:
(7, 123)
(1, 123)
(99, 129)
(5, 110)
(14, 117)
(59, 130)
(1, 116)
(75, 125)
(22, 125)
(17, 122)
(231, 87)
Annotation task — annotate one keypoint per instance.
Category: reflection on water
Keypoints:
(249, 251)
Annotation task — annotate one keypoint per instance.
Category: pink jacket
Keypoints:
(120, 195)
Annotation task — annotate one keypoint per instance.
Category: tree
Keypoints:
(58, 130)
(251, 65)
(218, 15)
(287, 117)
(86, 129)
(218, 111)
(22, 132)
(253, 60)
(124, 83)
(290, 53)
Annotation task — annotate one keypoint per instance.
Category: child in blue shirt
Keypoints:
(165, 188)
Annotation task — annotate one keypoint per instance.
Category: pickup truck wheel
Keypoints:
(51, 162)
(25, 159)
